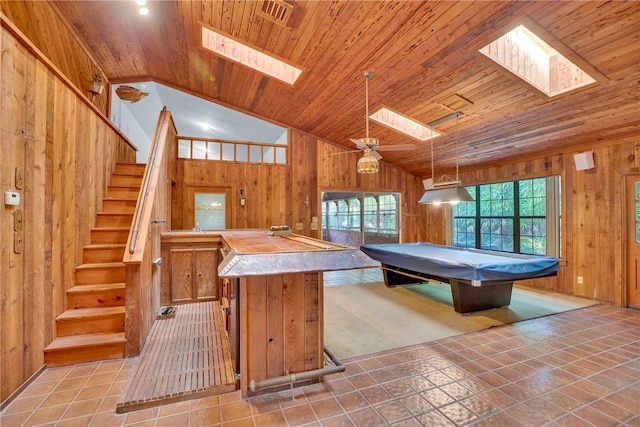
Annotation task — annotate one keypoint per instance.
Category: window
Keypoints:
(365, 217)
(210, 211)
(517, 216)
(231, 151)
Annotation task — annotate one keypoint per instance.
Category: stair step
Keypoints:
(85, 348)
(104, 252)
(83, 321)
(119, 205)
(113, 219)
(130, 168)
(109, 235)
(96, 296)
(103, 272)
(126, 179)
(123, 192)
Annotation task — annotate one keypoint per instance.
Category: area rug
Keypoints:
(363, 316)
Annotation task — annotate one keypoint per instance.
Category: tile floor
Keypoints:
(579, 368)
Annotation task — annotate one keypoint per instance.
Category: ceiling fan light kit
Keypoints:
(368, 163)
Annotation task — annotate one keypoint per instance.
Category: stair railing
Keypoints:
(152, 216)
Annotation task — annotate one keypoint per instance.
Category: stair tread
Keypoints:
(114, 213)
(105, 245)
(110, 228)
(86, 340)
(76, 313)
(91, 265)
(95, 287)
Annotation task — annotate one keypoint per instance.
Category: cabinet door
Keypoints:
(206, 273)
(181, 274)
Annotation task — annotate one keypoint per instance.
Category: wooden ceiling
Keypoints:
(422, 53)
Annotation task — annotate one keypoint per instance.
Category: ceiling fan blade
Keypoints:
(399, 147)
(361, 145)
(375, 154)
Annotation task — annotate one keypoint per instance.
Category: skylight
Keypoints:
(248, 56)
(403, 124)
(529, 57)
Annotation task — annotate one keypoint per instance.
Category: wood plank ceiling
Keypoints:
(421, 53)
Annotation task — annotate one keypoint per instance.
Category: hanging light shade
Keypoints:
(446, 190)
(452, 194)
(368, 163)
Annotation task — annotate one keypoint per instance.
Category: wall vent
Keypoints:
(277, 11)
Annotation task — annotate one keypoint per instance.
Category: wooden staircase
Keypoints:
(92, 327)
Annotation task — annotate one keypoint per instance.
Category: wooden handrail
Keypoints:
(144, 205)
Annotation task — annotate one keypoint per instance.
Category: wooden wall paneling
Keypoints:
(277, 318)
(294, 319)
(34, 207)
(265, 188)
(54, 305)
(304, 170)
(254, 333)
(54, 135)
(314, 321)
(13, 81)
(51, 34)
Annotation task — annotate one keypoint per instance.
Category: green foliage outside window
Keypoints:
(505, 216)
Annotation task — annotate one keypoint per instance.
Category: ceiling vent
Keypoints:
(277, 11)
(456, 102)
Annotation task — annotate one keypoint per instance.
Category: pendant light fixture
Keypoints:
(446, 190)
(368, 163)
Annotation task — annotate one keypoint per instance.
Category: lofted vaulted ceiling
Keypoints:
(424, 56)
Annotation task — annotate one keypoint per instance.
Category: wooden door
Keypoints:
(206, 273)
(633, 240)
(181, 274)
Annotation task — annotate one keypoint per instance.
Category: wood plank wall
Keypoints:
(278, 194)
(53, 36)
(593, 205)
(66, 150)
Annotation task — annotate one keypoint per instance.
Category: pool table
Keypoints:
(480, 279)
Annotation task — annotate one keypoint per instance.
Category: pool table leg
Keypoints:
(467, 298)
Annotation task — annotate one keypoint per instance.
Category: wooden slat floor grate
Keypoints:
(185, 357)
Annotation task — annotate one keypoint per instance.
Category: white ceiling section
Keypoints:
(193, 116)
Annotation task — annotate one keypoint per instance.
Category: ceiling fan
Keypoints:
(368, 163)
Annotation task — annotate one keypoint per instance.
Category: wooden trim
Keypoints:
(57, 73)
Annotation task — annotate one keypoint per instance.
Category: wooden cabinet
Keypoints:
(189, 267)
(194, 274)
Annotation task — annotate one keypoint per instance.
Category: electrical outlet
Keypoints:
(580, 281)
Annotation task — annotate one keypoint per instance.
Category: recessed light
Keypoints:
(144, 11)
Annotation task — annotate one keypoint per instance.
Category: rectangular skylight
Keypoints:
(404, 124)
(248, 56)
(532, 59)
